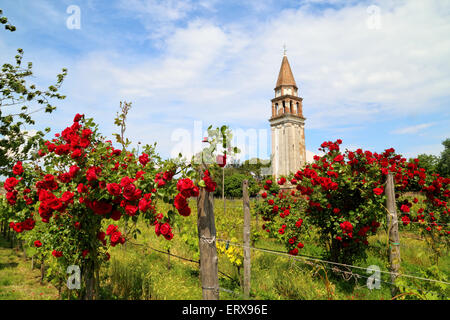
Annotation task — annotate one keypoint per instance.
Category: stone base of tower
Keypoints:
(288, 144)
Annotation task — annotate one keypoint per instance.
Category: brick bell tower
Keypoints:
(287, 124)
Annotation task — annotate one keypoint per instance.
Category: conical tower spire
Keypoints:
(285, 77)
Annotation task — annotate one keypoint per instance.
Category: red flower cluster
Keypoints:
(221, 160)
(57, 254)
(18, 168)
(143, 159)
(115, 236)
(164, 229)
(210, 185)
(163, 177)
(187, 189)
(18, 227)
(406, 220)
(347, 228)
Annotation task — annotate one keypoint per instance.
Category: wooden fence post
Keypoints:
(394, 240)
(209, 270)
(247, 262)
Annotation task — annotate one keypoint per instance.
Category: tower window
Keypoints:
(278, 93)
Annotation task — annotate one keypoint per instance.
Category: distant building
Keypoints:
(287, 125)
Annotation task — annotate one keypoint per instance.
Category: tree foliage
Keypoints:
(443, 166)
(16, 95)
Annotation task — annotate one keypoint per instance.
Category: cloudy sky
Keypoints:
(374, 73)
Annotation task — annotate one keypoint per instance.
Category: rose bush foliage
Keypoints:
(342, 196)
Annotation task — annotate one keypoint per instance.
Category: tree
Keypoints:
(443, 166)
(428, 161)
(255, 167)
(15, 95)
(233, 185)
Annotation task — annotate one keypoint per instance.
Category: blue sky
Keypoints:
(374, 73)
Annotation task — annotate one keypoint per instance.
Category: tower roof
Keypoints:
(285, 77)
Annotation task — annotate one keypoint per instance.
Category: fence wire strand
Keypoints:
(329, 262)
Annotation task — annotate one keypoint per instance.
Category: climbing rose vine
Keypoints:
(81, 184)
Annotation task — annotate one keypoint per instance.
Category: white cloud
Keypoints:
(347, 73)
(412, 129)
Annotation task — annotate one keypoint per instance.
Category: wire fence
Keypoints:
(317, 262)
(317, 259)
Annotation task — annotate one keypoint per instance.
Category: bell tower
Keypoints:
(287, 124)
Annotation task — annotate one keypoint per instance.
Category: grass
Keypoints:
(141, 273)
(17, 280)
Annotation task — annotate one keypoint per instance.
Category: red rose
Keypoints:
(300, 245)
(378, 191)
(161, 183)
(38, 244)
(264, 195)
(101, 207)
(74, 170)
(164, 228)
(210, 185)
(143, 159)
(131, 209)
(185, 187)
(114, 189)
(111, 228)
(125, 181)
(221, 160)
(115, 215)
(92, 173)
(67, 197)
(168, 236)
(338, 158)
(185, 211)
(115, 237)
(57, 254)
(86, 133)
(10, 183)
(168, 175)
(346, 227)
(180, 202)
(81, 188)
(76, 153)
(129, 192)
(405, 220)
(78, 117)
(404, 208)
(144, 204)
(18, 169)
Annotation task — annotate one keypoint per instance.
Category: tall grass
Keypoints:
(138, 272)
